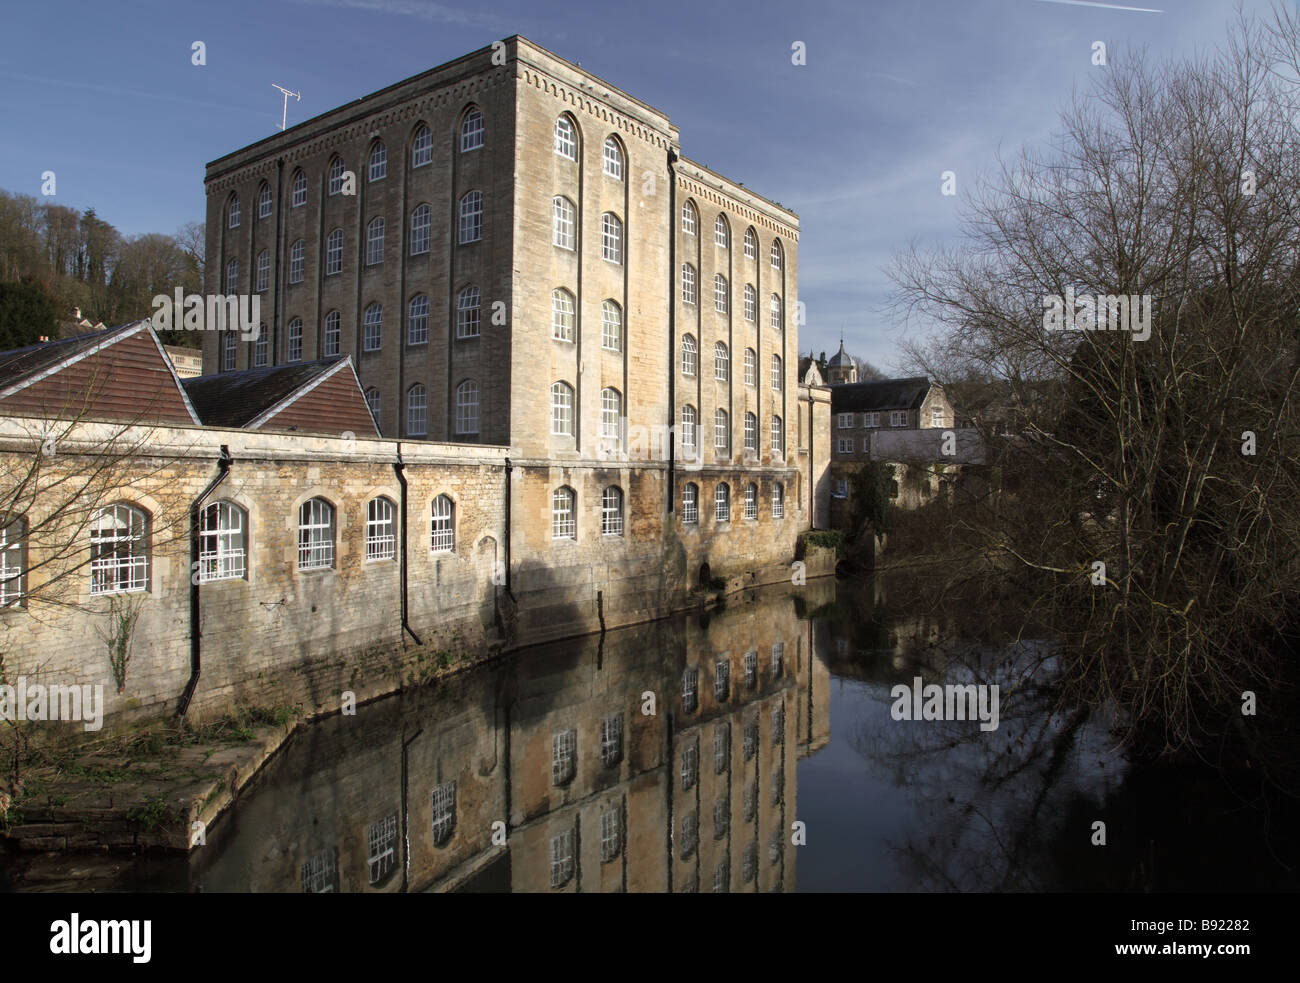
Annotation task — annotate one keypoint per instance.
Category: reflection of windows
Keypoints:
(778, 723)
(751, 801)
(721, 818)
(690, 690)
(119, 551)
(751, 737)
(778, 658)
(721, 747)
(750, 863)
(382, 837)
(751, 669)
(611, 740)
(610, 835)
(444, 811)
(12, 562)
(562, 858)
(690, 834)
(320, 873)
(721, 680)
(223, 542)
(690, 764)
(563, 761)
(722, 878)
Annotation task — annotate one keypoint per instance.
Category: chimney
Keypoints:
(76, 313)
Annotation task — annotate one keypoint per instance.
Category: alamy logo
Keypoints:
(216, 312)
(1098, 312)
(53, 702)
(100, 937)
(951, 702)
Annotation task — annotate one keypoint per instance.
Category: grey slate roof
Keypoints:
(882, 394)
(18, 364)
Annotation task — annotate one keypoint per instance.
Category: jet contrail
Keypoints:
(1105, 6)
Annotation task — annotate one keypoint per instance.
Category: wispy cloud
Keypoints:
(1106, 6)
(423, 9)
(130, 93)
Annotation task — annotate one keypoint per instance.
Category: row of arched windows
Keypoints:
(564, 320)
(471, 137)
(722, 502)
(721, 362)
(564, 512)
(722, 236)
(466, 422)
(722, 431)
(722, 301)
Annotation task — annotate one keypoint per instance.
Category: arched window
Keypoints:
(720, 362)
(778, 256)
(688, 283)
(777, 318)
(373, 325)
(372, 401)
(467, 398)
(721, 232)
(261, 347)
(611, 511)
(381, 529)
(232, 277)
(375, 242)
(562, 409)
(471, 131)
(421, 224)
(335, 175)
(119, 549)
(564, 519)
(611, 413)
(777, 378)
(566, 141)
(315, 535)
(613, 159)
(378, 161)
(417, 411)
(13, 562)
(417, 320)
(333, 332)
(232, 212)
(223, 542)
(264, 201)
(778, 501)
(422, 146)
(751, 501)
(562, 317)
(562, 222)
(262, 278)
(721, 430)
(688, 428)
(751, 432)
(293, 341)
(751, 367)
(751, 303)
(690, 354)
(467, 312)
(778, 435)
(722, 503)
(297, 255)
(720, 293)
(688, 218)
(230, 343)
(611, 326)
(471, 217)
(299, 185)
(690, 502)
(443, 531)
(751, 244)
(334, 253)
(611, 238)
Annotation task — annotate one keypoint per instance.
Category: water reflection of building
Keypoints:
(594, 794)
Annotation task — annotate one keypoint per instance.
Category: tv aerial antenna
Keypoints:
(284, 113)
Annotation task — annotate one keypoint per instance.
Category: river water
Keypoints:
(748, 748)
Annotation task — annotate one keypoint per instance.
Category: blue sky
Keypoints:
(894, 92)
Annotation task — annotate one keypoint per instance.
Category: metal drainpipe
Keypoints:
(196, 646)
(672, 332)
(399, 466)
(509, 471)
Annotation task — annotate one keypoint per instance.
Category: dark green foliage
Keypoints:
(27, 313)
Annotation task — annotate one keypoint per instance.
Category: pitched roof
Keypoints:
(236, 399)
(22, 364)
(880, 394)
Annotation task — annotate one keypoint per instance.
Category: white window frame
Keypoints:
(751, 432)
(690, 354)
(333, 334)
(721, 232)
(299, 193)
(778, 501)
(563, 222)
(778, 380)
(334, 252)
(689, 218)
(898, 418)
(119, 550)
(471, 218)
(471, 131)
(564, 513)
(421, 229)
(611, 511)
(442, 525)
(751, 367)
(566, 138)
(417, 320)
(422, 146)
(689, 419)
(611, 326)
(611, 740)
(467, 407)
(223, 542)
(417, 411)
(721, 361)
(232, 212)
(778, 435)
(751, 501)
(611, 238)
(336, 170)
(468, 312)
(381, 529)
(844, 421)
(293, 341)
(690, 502)
(721, 430)
(612, 165)
(375, 241)
(561, 409)
(564, 757)
(378, 168)
(722, 502)
(443, 802)
(688, 284)
(751, 244)
(373, 328)
(611, 413)
(316, 524)
(264, 201)
(719, 293)
(297, 260)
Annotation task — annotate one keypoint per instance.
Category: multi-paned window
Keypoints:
(778, 659)
(297, 255)
(471, 131)
(299, 186)
(751, 303)
(688, 283)
(232, 212)
(564, 761)
(373, 328)
(561, 409)
(613, 159)
(566, 141)
(375, 242)
(264, 201)
(417, 411)
(320, 872)
(230, 346)
(610, 835)
(777, 379)
(936, 416)
(381, 529)
(381, 837)
(467, 400)
(422, 146)
(776, 254)
(293, 341)
(378, 161)
(722, 503)
(721, 745)
(373, 402)
(722, 878)
(444, 811)
(721, 430)
(611, 238)
(690, 763)
(688, 429)
(778, 317)
(262, 278)
(871, 419)
(232, 276)
(778, 501)
(471, 217)
(720, 293)
(751, 748)
(611, 413)
(898, 418)
(751, 501)
(417, 320)
(844, 445)
(778, 723)
(421, 229)
(844, 421)
(611, 326)
(751, 244)
(334, 252)
(751, 669)
(223, 542)
(688, 218)
(720, 362)
(564, 521)
(611, 740)
(751, 367)
(751, 432)
(442, 525)
(690, 696)
(778, 435)
(261, 348)
(690, 354)
(315, 535)
(690, 835)
(467, 312)
(333, 332)
(562, 222)
(119, 550)
(562, 858)
(721, 684)
(721, 234)
(336, 175)
(562, 315)
(691, 502)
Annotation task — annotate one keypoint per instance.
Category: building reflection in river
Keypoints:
(656, 758)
